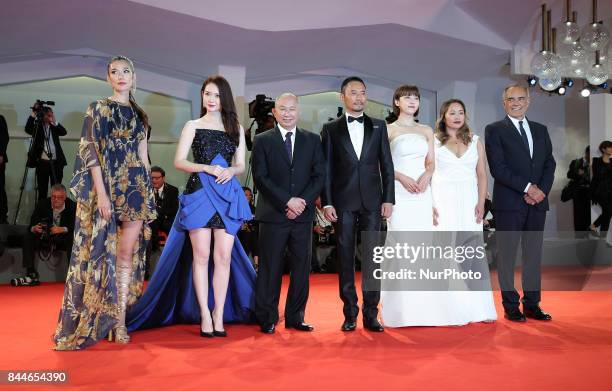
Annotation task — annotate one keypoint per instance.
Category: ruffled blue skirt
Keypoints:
(170, 296)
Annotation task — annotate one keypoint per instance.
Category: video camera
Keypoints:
(260, 108)
(39, 105)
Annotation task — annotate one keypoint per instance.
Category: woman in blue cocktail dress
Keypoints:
(186, 287)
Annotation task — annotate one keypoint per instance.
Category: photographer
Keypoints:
(4, 140)
(51, 229)
(45, 153)
(324, 240)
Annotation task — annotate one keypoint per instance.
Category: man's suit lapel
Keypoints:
(515, 135)
(298, 149)
(278, 143)
(368, 128)
(345, 138)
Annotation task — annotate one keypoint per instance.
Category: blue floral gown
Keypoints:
(110, 138)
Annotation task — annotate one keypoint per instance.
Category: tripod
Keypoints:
(33, 161)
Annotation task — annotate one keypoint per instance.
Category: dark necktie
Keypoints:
(157, 197)
(288, 144)
(358, 119)
(524, 136)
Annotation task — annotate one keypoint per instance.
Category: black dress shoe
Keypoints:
(373, 325)
(267, 328)
(219, 333)
(205, 334)
(349, 325)
(537, 314)
(514, 315)
(301, 326)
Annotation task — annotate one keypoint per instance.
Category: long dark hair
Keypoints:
(403, 90)
(228, 108)
(144, 118)
(464, 134)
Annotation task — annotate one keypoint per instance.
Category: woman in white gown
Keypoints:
(459, 189)
(412, 148)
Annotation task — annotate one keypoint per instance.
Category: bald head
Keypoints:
(286, 110)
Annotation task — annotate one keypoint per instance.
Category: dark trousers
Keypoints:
(582, 209)
(32, 244)
(3, 199)
(349, 225)
(603, 221)
(44, 176)
(526, 226)
(274, 238)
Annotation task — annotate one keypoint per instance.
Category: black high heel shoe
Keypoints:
(216, 333)
(208, 334)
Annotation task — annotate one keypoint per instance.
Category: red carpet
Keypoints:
(573, 352)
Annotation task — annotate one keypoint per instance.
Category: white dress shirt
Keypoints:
(355, 130)
(515, 122)
(284, 134)
(160, 192)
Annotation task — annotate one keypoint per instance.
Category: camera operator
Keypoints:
(51, 229)
(324, 240)
(45, 153)
(4, 140)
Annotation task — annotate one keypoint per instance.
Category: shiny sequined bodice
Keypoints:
(208, 143)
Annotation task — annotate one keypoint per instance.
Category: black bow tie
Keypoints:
(358, 119)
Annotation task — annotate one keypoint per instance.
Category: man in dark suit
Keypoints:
(358, 161)
(520, 157)
(289, 171)
(51, 228)
(46, 154)
(4, 140)
(166, 203)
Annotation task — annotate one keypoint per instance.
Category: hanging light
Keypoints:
(546, 64)
(597, 74)
(552, 81)
(561, 90)
(569, 30)
(595, 36)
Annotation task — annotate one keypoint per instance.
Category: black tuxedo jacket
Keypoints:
(167, 207)
(44, 212)
(351, 181)
(512, 167)
(278, 180)
(4, 138)
(38, 143)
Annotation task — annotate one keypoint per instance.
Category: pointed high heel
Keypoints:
(221, 333)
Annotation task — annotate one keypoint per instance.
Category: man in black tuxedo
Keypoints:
(4, 140)
(166, 203)
(46, 154)
(520, 157)
(289, 172)
(358, 161)
(51, 228)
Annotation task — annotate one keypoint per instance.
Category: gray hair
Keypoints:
(514, 86)
(58, 187)
(285, 95)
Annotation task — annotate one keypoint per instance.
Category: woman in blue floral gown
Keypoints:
(112, 187)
